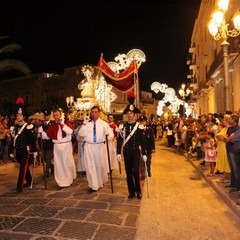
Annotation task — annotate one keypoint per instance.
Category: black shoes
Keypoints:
(26, 185)
(131, 196)
(139, 196)
(90, 190)
(149, 174)
(18, 190)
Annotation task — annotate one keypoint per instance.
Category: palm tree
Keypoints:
(7, 64)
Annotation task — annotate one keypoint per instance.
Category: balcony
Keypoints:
(192, 65)
(203, 86)
(194, 86)
(192, 49)
(195, 94)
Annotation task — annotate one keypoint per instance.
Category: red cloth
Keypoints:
(113, 126)
(123, 81)
(52, 131)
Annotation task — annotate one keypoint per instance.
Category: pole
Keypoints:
(120, 168)
(183, 108)
(136, 89)
(146, 173)
(109, 164)
(33, 166)
(43, 163)
(224, 46)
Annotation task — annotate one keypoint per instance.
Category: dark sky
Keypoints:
(59, 34)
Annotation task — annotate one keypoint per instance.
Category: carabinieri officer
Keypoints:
(134, 146)
(24, 144)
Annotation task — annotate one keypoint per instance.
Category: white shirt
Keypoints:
(102, 129)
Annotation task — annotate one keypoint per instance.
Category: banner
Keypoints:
(123, 81)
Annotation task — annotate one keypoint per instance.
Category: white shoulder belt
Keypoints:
(130, 135)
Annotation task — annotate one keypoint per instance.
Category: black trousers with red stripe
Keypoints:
(22, 157)
(132, 167)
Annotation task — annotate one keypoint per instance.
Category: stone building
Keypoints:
(37, 88)
(206, 64)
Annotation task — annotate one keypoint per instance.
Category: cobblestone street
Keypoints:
(70, 213)
(182, 205)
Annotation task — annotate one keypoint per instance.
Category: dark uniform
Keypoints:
(47, 145)
(134, 148)
(24, 144)
(132, 155)
(150, 147)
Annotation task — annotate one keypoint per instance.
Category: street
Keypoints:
(181, 206)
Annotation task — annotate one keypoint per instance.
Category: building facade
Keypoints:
(206, 64)
(37, 88)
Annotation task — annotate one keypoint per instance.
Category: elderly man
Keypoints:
(94, 133)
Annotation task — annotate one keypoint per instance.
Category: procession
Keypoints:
(120, 120)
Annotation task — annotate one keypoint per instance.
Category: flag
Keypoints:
(123, 81)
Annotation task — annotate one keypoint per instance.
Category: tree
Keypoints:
(7, 64)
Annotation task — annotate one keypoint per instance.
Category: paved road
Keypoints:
(181, 206)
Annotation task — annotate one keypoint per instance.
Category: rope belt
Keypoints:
(95, 143)
(62, 142)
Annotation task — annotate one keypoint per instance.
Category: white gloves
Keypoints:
(86, 120)
(40, 129)
(144, 157)
(35, 154)
(120, 127)
(119, 157)
(62, 121)
(28, 148)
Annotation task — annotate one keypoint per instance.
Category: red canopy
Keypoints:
(123, 81)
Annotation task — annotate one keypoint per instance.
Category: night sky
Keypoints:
(58, 34)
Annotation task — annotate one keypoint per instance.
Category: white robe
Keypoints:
(95, 154)
(80, 163)
(64, 165)
(113, 153)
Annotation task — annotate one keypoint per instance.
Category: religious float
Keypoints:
(97, 86)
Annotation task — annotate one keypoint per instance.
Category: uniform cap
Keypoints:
(142, 118)
(131, 107)
(47, 112)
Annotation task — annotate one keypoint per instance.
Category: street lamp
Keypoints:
(183, 93)
(218, 28)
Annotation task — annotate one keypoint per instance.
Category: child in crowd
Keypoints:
(210, 152)
(177, 136)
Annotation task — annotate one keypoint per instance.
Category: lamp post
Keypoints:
(183, 93)
(218, 28)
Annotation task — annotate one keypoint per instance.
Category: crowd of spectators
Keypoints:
(209, 138)
(212, 138)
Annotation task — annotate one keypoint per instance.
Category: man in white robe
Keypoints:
(61, 134)
(80, 163)
(95, 150)
(112, 142)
